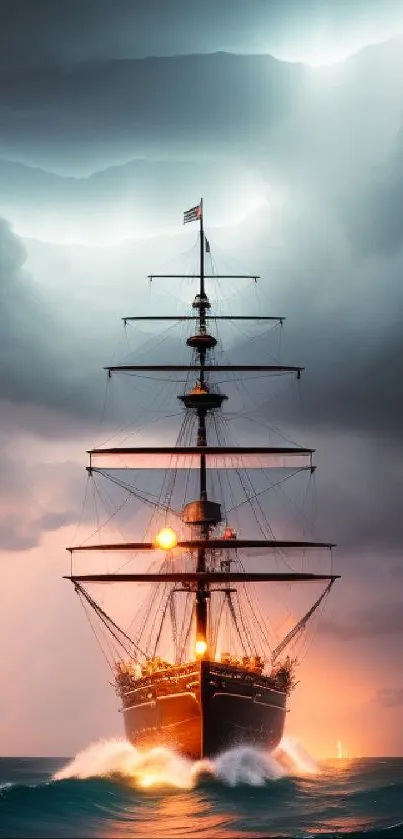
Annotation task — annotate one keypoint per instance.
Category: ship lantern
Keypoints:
(166, 539)
(201, 647)
(229, 533)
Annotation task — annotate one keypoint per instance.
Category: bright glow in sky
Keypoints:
(80, 229)
(322, 51)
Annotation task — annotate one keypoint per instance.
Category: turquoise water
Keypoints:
(111, 790)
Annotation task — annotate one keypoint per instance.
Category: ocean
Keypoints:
(112, 790)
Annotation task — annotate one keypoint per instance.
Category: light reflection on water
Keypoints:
(169, 796)
(175, 815)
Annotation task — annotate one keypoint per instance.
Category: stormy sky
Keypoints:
(288, 118)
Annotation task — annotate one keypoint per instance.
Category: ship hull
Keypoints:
(204, 710)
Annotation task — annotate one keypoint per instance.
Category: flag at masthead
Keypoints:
(193, 214)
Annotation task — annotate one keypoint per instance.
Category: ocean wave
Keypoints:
(108, 807)
(161, 766)
(112, 789)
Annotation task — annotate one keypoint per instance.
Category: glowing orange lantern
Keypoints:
(166, 539)
(201, 647)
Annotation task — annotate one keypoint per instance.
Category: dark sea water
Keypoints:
(111, 790)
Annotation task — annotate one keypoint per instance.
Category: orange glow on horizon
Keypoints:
(341, 753)
(148, 781)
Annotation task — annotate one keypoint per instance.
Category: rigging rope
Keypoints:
(301, 623)
(106, 619)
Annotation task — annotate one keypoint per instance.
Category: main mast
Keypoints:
(202, 591)
(203, 515)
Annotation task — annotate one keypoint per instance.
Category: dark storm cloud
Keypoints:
(362, 513)
(342, 323)
(33, 32)
(105, 111)
(35, 348)
(375, 215)
(35, 499)
(55, 340)
(381, 620)
(19, 533)
(354, 375)
(291, 122)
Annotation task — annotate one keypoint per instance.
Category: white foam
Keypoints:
(158, 766)
(163, 767)
(292, 754)
(247, 765)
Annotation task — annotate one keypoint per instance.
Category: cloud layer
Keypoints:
(91, 29)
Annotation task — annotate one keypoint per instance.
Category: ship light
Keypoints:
(166, 539)
(201, 647)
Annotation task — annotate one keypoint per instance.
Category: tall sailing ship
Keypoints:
(214, 679)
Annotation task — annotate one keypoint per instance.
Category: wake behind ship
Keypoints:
(199, 672)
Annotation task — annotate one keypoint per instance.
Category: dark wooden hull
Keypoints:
(203, 709)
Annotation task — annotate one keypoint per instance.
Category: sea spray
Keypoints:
(247, 765)
(157, 766)
(161, 766)
(295, 758)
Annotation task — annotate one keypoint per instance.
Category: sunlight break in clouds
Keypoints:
(322, 49)
(110, 230)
